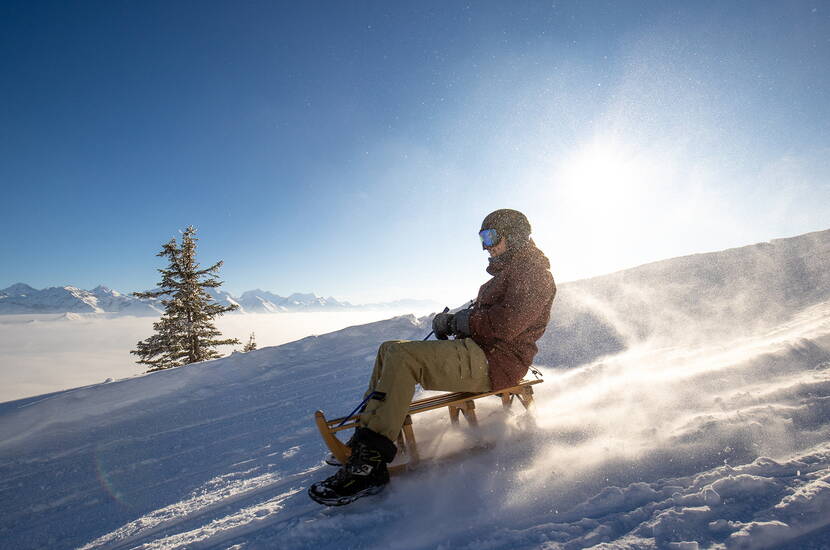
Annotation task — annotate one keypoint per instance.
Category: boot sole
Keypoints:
(342, 501)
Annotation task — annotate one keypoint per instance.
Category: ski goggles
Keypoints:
(489, 237)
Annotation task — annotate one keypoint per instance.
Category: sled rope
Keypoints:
(360, 407)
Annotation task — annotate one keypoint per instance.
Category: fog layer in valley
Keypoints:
(46, 353)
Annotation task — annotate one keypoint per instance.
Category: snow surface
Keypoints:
(667, 440)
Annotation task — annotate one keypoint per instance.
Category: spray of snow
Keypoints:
(684, 432)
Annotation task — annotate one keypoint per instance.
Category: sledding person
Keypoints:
(495, 342)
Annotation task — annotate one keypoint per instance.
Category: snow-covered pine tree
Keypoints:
(251, 345)
(185, 333)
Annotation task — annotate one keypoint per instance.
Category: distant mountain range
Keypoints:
(22, 298)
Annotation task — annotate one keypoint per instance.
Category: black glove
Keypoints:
(442, 325)
(460, 324)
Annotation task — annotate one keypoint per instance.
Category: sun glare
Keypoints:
(607, 194)
(606, 178)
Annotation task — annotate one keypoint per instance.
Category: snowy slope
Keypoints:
(691, 299)
(664, 442)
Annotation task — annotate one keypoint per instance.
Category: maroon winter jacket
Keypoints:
(512, 311)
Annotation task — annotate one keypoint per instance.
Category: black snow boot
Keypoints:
(364, 474)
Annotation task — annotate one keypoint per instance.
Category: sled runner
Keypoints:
(458, 403)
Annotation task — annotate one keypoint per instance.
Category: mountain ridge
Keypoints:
(800, 252)
(21, 298)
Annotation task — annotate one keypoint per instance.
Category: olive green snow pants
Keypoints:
(448, 365)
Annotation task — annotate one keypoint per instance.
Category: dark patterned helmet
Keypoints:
(505, 223)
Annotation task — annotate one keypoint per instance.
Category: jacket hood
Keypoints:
(524, 255)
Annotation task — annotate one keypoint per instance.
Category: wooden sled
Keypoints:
(458, 403)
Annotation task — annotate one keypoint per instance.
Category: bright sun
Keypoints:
(608, 194)
(607, 179)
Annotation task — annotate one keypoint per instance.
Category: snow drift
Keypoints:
(686, 405)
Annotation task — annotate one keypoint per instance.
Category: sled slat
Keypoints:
(443, 400)
(456, 402)
(337, 448)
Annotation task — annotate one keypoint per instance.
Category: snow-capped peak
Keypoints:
(18, 289)
(101, 289)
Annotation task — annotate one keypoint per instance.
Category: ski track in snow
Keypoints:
(667, 444)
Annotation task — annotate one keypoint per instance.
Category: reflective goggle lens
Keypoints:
(489, 237)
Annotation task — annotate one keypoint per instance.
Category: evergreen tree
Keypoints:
(185, 333)
(251, 345)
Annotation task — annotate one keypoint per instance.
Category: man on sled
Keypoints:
(494, 345)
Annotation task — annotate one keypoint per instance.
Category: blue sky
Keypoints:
(352, 149)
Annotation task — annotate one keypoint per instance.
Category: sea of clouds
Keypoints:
(46, 353)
